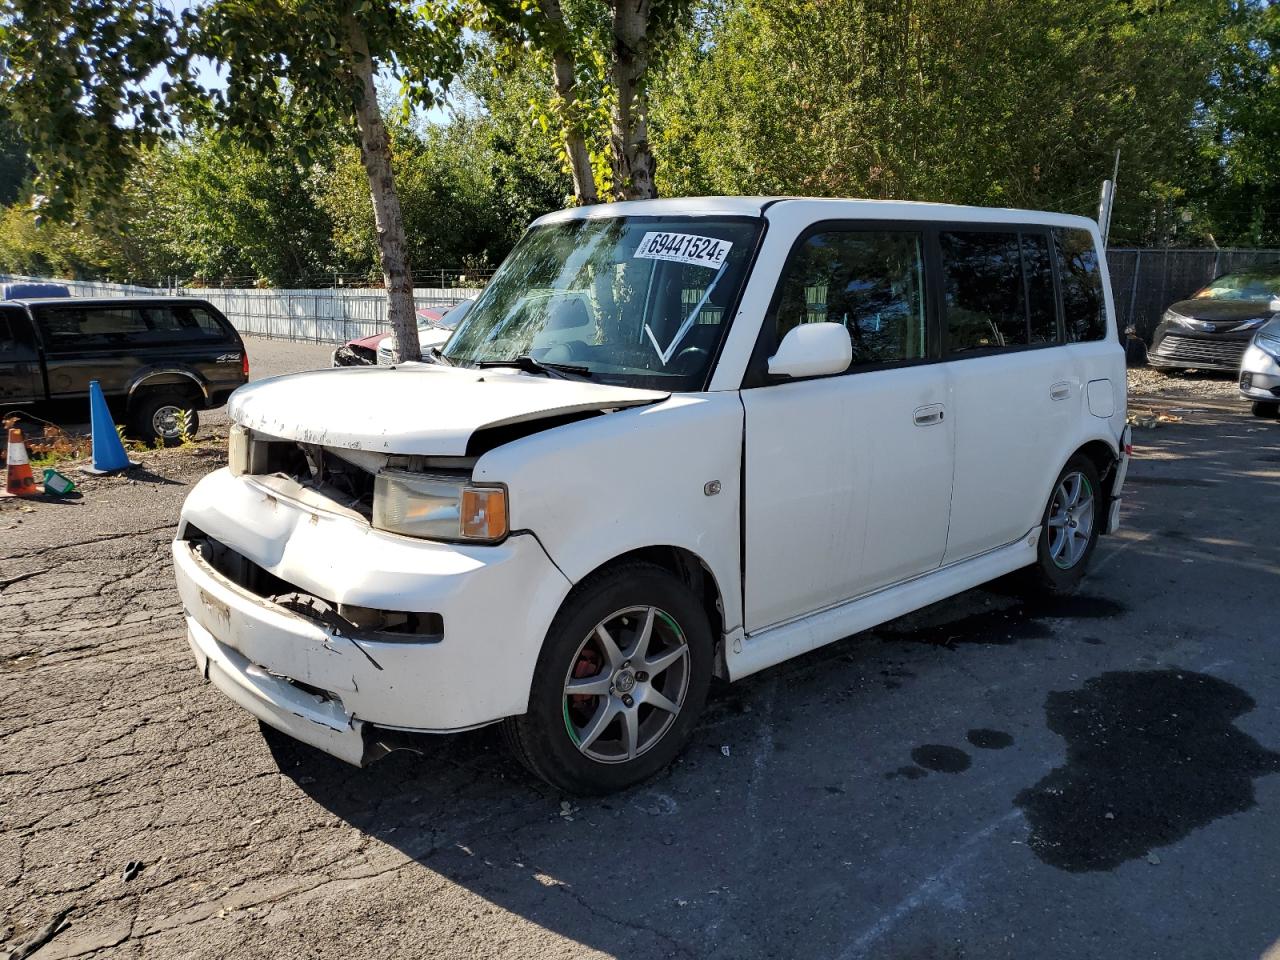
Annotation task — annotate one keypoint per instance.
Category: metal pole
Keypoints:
(1133, 291)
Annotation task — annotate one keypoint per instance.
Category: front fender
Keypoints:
(668, 474)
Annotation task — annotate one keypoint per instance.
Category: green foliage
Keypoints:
(76, 87)
(1003, 102)
(1236, 185)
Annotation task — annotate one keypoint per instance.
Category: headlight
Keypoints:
(438, 508)
(1270, 345)
(1171, 317)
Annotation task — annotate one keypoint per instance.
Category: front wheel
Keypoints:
(1268, 409)
(619, 684)
(1069, 528)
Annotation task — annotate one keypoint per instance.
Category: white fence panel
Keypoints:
(323, 315)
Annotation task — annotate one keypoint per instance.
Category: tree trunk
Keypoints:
(633, 164)
(563, 68)
(375, 153)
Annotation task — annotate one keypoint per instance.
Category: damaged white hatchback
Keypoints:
(671, 440)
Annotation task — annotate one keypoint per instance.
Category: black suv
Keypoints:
(158, 359)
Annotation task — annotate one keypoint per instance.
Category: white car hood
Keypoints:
(417, 409)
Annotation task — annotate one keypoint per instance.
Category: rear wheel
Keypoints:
(619, 684)
(1266, 408)
(164, 417)
(1069, 529)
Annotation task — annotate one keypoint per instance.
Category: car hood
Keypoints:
(369, 343)
(1225, 315)
(424, 409)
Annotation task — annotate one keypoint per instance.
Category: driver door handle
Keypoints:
(928, 415)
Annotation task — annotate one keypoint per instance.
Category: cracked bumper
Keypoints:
(321, 686)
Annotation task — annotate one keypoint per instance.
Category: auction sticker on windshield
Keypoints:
(684, 248)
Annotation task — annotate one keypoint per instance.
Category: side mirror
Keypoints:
(813, 350)
(1274, 307)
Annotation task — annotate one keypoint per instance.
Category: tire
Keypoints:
(1135, 352)
(157, 417)
(583, 743)
(1268, 409)
(1060, 566)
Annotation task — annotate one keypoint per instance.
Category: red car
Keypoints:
(364, 351)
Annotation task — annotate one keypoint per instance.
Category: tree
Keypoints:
(86, 64)
(1002, 102)
(1238, 191)
(600, 53)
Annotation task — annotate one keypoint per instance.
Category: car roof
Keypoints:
(101, 301)
(821, 208)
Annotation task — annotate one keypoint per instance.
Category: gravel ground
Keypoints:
(988, 778)
(1150, 382)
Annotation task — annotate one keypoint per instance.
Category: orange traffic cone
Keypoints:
(19, 481)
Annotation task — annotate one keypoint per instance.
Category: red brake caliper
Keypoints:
(589, 665)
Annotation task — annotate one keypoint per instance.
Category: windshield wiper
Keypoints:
(564, 371)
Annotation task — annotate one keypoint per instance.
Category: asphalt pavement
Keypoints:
(987, 778)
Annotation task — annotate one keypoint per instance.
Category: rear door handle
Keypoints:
(1060, 390)
(930, 414)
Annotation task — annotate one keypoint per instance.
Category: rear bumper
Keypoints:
(1117, 484)
(321, 683)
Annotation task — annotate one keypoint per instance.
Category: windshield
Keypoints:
(639, 301)
(1254, 285)
(446, 322)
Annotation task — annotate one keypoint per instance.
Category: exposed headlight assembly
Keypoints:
(438, 508)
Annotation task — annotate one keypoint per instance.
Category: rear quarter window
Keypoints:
(1084, 309)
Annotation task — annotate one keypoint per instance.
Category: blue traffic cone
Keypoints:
(108, 450)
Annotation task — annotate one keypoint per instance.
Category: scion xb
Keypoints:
(671, 440)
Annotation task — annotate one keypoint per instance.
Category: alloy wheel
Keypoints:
(1070, 520)
(626, 684)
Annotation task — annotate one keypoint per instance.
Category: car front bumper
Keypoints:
(324, 684)
(1259, 375)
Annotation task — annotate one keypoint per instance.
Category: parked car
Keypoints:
(433, 333)
(1260, 368)
(159, 360)
(32, 290)
(672, 439)
(1211, 330)
(434, 328)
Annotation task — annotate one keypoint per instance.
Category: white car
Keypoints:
(432, 333)
(671, 439)
(1260, 367)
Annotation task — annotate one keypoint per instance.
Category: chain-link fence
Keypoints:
(326, 315)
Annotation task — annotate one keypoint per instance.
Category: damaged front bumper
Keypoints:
(321, 679)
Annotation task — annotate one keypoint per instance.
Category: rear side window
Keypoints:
(1083, 306)
(207, 323)
(71, 328)
(998, 290)
(869, 282)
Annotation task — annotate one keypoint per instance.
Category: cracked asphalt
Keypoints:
(987, 778)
